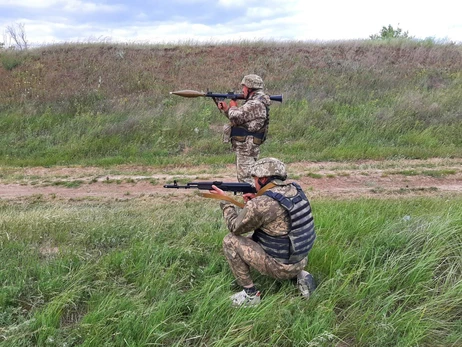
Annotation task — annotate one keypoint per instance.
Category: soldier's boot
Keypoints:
(305, 283)
(243, 299)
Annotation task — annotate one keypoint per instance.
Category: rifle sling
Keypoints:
(265, 188)
(223, 197)
(231, 200)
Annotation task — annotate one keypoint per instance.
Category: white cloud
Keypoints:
(237, 20)
(30, 3)
(66, 5)
(260, 12)
(276, 5)
(237, 3)
(83, 6)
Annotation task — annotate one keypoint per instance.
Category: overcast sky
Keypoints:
(179, 21)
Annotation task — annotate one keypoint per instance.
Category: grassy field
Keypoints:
(151, 272)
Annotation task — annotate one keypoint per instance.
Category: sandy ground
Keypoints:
(338, 180)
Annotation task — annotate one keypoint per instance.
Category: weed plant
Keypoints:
(149, 272)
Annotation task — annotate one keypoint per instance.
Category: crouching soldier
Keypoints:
(280, 220)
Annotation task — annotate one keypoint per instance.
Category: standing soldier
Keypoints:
(248, 125)
(279, 217)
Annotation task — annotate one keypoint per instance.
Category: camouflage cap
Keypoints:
(268, 167)
(253, 82)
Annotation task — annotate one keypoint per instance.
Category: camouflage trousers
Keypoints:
(246, 155)
(242, 254)
(244, 165)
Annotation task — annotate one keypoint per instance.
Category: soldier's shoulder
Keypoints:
(288, 190)
(262, 98)
(262, 201)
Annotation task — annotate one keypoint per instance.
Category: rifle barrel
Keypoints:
(234, 187)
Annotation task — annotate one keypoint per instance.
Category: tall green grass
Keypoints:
(190, 132)
(151, 272)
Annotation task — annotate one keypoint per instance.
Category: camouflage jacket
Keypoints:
(252, 114)
(261, 212)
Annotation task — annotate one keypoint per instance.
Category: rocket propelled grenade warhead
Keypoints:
(188, 93)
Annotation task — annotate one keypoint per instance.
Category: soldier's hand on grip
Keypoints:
(248, 196)
(222, 105)
(233, 103)
(216, 190)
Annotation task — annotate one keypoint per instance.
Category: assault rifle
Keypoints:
(218, 96)
(225, 186)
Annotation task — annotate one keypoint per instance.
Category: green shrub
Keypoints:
(11, 59)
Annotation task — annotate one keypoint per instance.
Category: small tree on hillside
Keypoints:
(17, 34)
(390, 33)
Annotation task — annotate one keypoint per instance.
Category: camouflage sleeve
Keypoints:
(256, 213)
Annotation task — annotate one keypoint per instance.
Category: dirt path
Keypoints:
(395, 178)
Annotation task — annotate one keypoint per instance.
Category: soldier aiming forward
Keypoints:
(249, 125)
(279, 217)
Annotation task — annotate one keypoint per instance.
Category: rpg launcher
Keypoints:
(218, 96)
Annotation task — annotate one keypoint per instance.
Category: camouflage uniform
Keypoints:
(242, 252)
(252, 117)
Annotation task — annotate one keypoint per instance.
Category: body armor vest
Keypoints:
(295, 245)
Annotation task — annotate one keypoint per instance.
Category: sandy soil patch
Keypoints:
(360, 179)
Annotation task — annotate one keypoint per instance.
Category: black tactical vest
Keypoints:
(295, 245)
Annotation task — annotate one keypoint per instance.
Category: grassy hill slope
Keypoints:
(106, 104)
